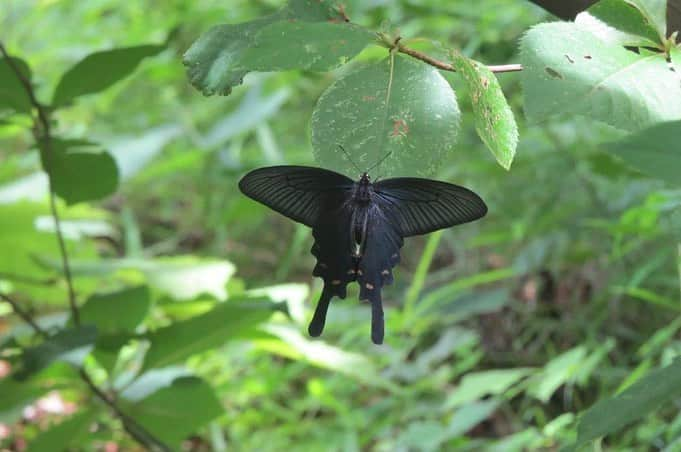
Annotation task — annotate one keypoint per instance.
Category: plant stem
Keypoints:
(43, 135)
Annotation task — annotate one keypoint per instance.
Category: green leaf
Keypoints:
(494, 120)
(184, 278)
(312, 46)
(174, 412)
(475, 385)
(653, 152)
(655, 13)
(16, 395)
(569, 70)
(67, 434)
(79, 170)
(214, 62)
(71, 345)
(98, 71)
(619, 22)
(644, 396)
(560, 370)
(13, 94)
(115, 312)
(227, 321)
(407, 109)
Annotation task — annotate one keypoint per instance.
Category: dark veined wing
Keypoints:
(420, 206)
(298, 192)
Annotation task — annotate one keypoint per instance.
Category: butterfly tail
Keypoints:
(377, 321)
(319, 318)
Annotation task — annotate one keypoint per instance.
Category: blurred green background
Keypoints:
(498, 332)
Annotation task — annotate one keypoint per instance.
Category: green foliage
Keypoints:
(622, 22)
(13, 96)
(66, 434)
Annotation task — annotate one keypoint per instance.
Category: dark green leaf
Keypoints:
(65, 435)
(620, 22)
(569, 70)
(174, 412)
(80, 171)
(494, 120)
(114, 312)
(225, 322)
(98, 71)
(13, 94)
(214, 62)
(16, 395)
(654, 152)
(71, 345)
(635, 402)
(413, 114)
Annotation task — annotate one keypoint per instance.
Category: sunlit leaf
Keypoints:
(13, 94)
(617, 22)
(119, 311)
(66, 434)
(560, 370)
(165, 412)
(408, 110)
(569, 70)
(638, 400)
(475, 385)
(98, 71)
(187, 278)
(494, 120)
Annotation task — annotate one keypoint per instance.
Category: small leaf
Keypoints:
(475, 385)
(227, 321)
(407, 109)
(98, 71)
(617, 22)
(79, 170)
(639, 399)
(71, 345)
(165, 412)
(494, 120)
(186, 278)
(569, 70)
(114, 312)
(13, 94)
(214, 62)
(66, 435)
(653, 151)
(655, 13)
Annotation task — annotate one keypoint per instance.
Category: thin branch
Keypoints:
(43, 134)
(28, 280)
(448, 67)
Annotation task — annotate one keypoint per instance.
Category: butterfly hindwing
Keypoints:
(420, 206)
(298, 192)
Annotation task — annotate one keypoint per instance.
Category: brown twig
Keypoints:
(448, 67)
(43, 135)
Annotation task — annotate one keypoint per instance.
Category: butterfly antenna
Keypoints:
(350, 158)
(380, 161)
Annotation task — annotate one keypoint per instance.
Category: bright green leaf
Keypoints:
(66, 435)
(494, 120)
(569, 70)
(186, 278)
(13, 94)
(475, 385)
(214, 62)
(71, 345)
(172, 413)
(409, 110)
(617, 22)
(654, 151)
(115, 312)
(227, 321)
(655, 13)
(560, 370)
(644, 396)
(80, 171)
(98, 71)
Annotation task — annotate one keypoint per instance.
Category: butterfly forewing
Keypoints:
(420, 206)
(298, 192)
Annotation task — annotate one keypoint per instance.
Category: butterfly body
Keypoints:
(358, 227)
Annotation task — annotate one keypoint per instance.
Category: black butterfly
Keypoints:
(358, 227)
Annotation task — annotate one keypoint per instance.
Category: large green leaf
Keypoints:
(654, 151)
(620, 22)
(407, 109)
(174, 412)
(98, 71)
(67, 434)
(119, 311)
(227, 321)
(13, 94)
(475, 385)
(569, 70)
(635, 402)
(80, 171)
(494, 120)
(70, 345)
(214, 62)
